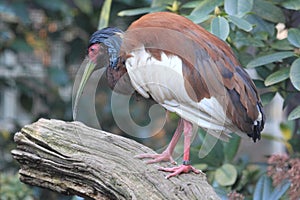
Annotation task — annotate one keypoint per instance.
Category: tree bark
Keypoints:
(71, 158)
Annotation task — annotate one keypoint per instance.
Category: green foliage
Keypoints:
(155, 6)
(264, 189)
(295, 74)
(263, 60)
(277, 76)
(294, 37)
(238, 8)
(85, 6)
(11, 188)
(104, 16)
(225, 171)
(203, 9)
(268, 11)
(230, 148)
(220, 27)
(140, 11)
(291, 4)
(295, 114)
(226, 175)
(267, 97)
(240, 23)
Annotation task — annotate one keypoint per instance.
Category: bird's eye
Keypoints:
(93, 51)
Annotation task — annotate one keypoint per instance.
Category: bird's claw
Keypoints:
(163, 157)
(179, 170)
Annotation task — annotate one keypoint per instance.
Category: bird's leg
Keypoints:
(186, 167)
(166, 155)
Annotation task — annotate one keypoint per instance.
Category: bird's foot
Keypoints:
(163, 157)
(179, 170)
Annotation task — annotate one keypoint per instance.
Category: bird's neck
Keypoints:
(113, 44)
(118, 80)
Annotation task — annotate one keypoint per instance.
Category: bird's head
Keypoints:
(104, 46)
(103, 51)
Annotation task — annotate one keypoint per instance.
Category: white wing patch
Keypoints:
(163, 80)
(259, 118)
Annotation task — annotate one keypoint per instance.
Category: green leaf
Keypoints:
(84, 6)
(205, 7)
(294, 37)
(201, 166)
(268, 11)
(241, 23)
(191, 4)
(238, 7)
(291, 4)
(220, 27)
(260, 25)
(280, 190)
(263, 189)
(263, 71)
(261, 36)
(267, 97)
(248, 41)
(269, 59)
(259, 83)
(159, 3)
(295, 74)
(197, 19)
(211, 151)
(267, 188)
(295, 114)
(231, 147)
(283, 45)
(104, 15)
(226, 175)
(277, 76)
(139, 11)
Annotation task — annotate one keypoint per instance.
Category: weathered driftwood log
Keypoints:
(71, 158)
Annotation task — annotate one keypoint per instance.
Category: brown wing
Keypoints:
(209, 66)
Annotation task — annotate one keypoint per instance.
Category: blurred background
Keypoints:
(42, 44)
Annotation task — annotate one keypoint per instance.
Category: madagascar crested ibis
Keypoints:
(185, 69)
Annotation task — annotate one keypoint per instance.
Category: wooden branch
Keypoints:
(71, 158)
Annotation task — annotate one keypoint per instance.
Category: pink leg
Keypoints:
(186, 167)
(166, 155)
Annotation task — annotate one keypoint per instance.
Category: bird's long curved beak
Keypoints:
(90, 66)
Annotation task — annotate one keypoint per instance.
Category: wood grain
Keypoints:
(71, 158)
